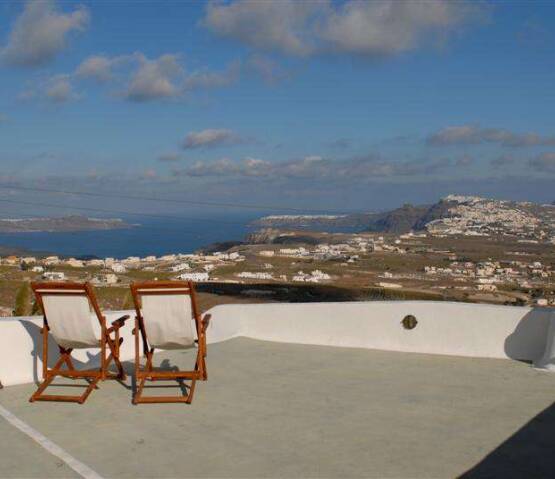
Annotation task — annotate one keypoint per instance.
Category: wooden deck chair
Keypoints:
(72, 316)
(167, 318)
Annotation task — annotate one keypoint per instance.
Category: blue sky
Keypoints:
(344, 105)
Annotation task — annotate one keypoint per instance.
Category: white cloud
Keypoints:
(98, 67)
(269, 70)
(382, 28)
(274, 25)
(57, 89)
(138, 78)
(312, 167)
(60, 90)
(40, 33)
(464, 161)
(210, 138)
(148, 175)
(544, 163)
(476, 135)
(502, 160)
(169, 157)
(207, 79)
(155, 79)
(368, 28)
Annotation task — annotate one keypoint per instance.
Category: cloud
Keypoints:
(140, 79)
(40, 33)
(155, 79)
(98, 67)
(143, 79)
(57, 89)
(60, 90)
(148, 175)
(502, 160)
(476, 135)
(207, 79)
(543, 163)
(464, 161)
(269, 70)
(311, 167)
(169, 157)
(372, 29)
(341, 144)
(271, 25)
(211, 138)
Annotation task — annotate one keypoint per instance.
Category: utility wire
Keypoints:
(170, 200)
(120, 212)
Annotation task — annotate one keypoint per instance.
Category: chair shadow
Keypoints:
(529, 336)
(34, 332)
(526, 454)
(129, 368)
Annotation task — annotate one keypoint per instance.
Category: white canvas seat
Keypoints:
(71, 321)
(168, 320)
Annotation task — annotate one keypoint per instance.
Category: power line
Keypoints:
(119, 212)
(158, 230)
(170, 200)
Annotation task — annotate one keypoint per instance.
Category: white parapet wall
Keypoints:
(461, 329)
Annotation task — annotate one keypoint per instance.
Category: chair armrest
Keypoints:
(205, 322)
(118, 323)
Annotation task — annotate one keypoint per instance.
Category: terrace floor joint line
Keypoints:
(80, 468)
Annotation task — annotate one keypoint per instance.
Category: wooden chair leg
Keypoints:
(91, 377)
(148, 373)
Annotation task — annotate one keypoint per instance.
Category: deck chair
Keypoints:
(167, 318)
(73, 318)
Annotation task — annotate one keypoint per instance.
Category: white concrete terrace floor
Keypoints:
(286, 410)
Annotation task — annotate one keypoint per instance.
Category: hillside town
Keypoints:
(485, 267)
(476, 216)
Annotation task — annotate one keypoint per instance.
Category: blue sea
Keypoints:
(151, 236)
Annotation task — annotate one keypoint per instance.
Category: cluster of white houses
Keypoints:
(488, 275)
(109, 268)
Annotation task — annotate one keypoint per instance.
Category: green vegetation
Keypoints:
(23, 305)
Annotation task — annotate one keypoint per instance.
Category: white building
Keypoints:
(315, 277)
(95, 262)
(118, 268)
(487, 287)
(259, 275)
(108, 278)
(196, 277)
(389, 285)
(51, 260)
(54, 276)
(75, 263)
(180, 267)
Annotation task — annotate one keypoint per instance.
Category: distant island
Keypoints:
(60, 224)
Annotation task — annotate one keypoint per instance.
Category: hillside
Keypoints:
(452, 215)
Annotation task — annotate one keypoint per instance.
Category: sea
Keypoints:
(148, 236)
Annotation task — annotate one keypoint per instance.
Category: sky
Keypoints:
(311, 106)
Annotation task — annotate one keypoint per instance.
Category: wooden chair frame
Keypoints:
(149, 372)
(107, 344)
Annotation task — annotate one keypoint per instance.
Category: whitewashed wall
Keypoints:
(443, 328)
